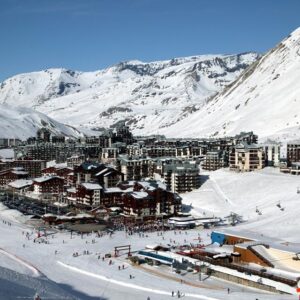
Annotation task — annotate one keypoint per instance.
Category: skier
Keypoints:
(37, 297)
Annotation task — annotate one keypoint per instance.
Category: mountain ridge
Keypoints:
(150, 96)
(23, 122)
(264, 98)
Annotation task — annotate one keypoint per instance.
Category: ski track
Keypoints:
(220, 191)
(29, 266)
(130, 285)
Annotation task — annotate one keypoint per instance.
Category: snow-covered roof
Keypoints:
(102, 171)
(78, 216)
(91, 186)
(115, 208)
(20, 183)
(19, 172)
(45, 178)
(7, 153)
(139, 195)
(118, 190)
(49, 215)
(107, 174)
(71, 190)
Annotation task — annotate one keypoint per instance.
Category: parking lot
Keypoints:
(29, 206)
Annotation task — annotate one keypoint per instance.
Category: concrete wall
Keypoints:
(243, 281)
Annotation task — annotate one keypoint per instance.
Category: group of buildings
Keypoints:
(142, 175)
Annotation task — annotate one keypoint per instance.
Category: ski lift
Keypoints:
(297, 257)
(258, 211)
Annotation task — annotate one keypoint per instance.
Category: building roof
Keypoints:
(152, 185)
(90, 165)
(91, 186)
(20, 183)
(46, 178)
(102, 171)
(117, 190)
(139, 195)
(182, 168)
(71, 190)
(17, 172)
(245, 146)
(7, 153)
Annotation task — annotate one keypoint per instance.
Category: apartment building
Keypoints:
(181, 178)
(244, 158)
(215, 160)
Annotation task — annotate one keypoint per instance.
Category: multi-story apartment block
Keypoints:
(181, 178)
(11, 175)
(97, 173)
(48, 185)
(33, 167)
(123, 134)
(5, 142)
(43, 134)
(246, 137)
(105, 140)
(134, 168)
(109, 155)
(58, 139)
(246, 157)
(215, 160)
(60, 171)
(136, 149)
(75, 160)
(88, 194)
(272, 154)
(293, 152)
(150, 199)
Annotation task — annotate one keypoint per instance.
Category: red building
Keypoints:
(63, 172)
(88, 194)
(149, 198)
(48, 185)
(8, 176)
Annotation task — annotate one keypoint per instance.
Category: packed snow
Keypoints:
(224, 191)
(74, 264)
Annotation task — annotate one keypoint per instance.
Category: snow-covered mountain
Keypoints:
(265, 99)
(150, 96)
(21, 122)
(212, 95)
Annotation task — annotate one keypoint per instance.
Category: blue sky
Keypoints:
(93, 34)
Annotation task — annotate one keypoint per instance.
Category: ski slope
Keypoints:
(225, 191)
(87, 277)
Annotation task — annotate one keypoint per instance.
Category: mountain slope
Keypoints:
(265, 99)
(150, 96)
(21, 122)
